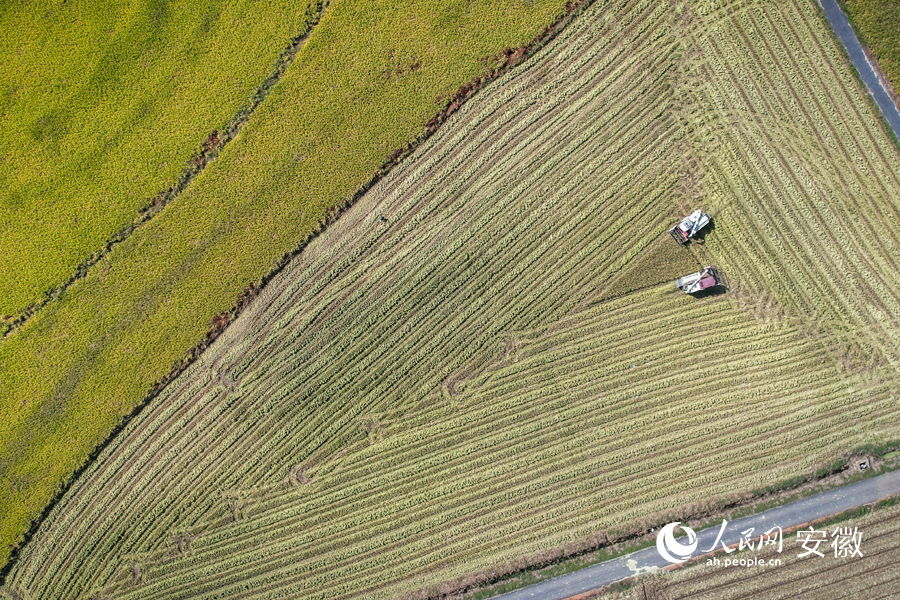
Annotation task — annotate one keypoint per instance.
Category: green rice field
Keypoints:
(102, 106)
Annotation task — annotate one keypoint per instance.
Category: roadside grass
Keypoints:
(877, 23)
(365, 83)
(101, 107)
(570, 565)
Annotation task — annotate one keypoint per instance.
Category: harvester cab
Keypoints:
(690, 226)
(702, 280)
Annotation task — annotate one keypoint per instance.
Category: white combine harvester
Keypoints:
(702, 280)
(690, 226)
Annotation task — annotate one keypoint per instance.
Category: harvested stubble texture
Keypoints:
(872, 576)
(364, 83)
(414, 400)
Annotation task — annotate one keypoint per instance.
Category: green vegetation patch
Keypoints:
(365, 83)
(877, 22)
(101, 106)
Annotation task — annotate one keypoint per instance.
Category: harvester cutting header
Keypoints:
(708, 278)
(690, 226)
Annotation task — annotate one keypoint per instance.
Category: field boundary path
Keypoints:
(795, 514)
(209, 149)
(841, 26)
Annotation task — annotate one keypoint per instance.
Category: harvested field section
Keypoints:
(873, 575)
(449, 388)
(826, 256)
(338, 113)
(545, 456)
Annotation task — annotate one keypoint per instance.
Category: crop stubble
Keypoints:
(601, 415)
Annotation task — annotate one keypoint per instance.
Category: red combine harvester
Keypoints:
(690, 226)
(702, 280)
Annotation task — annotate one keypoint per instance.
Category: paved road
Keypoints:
(790, 515)
(648, 560)
(845, 32)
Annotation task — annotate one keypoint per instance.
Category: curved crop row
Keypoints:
(443, 390)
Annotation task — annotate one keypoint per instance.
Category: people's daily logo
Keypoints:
(672, 550)
(845, 541)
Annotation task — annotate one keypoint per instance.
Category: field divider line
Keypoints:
(209, 150)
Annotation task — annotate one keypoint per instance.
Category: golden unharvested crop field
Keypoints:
(101, 107)
(437, 393)
(878, 25)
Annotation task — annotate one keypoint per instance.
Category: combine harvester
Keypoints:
(702, 280)
(690, 226)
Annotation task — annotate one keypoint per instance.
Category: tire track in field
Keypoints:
(489, 253)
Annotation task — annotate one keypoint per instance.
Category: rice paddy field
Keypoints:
(363, 84)
(877, 24)
(501, 365)
(102, 106)
(872, 576)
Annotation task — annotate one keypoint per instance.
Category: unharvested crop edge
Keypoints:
(508, 58)
(207, 152)
(863, 41)
(867, 93)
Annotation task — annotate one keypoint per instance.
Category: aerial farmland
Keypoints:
(416, 352)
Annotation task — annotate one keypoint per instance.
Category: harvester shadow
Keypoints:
(719, 290)
(700, 237)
